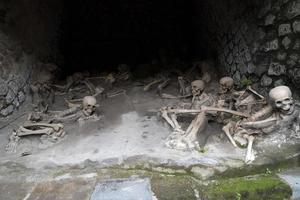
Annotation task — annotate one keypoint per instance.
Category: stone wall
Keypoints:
(15, 71)
(257, 41)
(29, 31)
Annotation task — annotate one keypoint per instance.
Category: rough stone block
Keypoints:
(7, 111)
(281, 55)
(279, 83)
(296, 45)
(293, 9)
(10, 96)
(21, 97)
(269, 20)
(296, 26)
(3, 88)
(266, 81)
(286, 42)
(276, 69)
(251, 68)
(13, 86)
(284, 29)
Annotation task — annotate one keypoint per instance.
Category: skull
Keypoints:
(89, 104)
(282, 99)
(197, 87)
(226, 84)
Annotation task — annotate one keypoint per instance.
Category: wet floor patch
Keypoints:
(123, 189)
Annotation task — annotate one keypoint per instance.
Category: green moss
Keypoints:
(246, 82)
(251, 187)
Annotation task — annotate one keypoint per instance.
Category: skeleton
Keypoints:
(280, 115)
(54, 131)
(42, 95)
(74, 80)
(123, 74)
(243, 101)
(76, 112)
(187, 139)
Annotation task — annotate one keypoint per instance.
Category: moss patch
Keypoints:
(250, 187)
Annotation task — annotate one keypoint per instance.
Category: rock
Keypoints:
(291, 63)
(296, 26)
(16, 103)
(269, 20)
(237, 77)
(284, 29)
(294, 75)
(21, 97)
(229, 59)
(293, 9)
(260, 69)
(242, 67)
(10, 96)
(248, 56)
(294, 57)
(286, 42)
(272, 45)
(13, 86)
(251, 68)
(278, 83)
(281, 55)
(266, 81)
(203, 172)
(297, 44)
(276, 69)
(7, 111)
(3, 88)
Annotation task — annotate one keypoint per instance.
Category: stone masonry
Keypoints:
(257, 42)
(15, 72)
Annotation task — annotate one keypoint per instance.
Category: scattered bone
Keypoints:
(148, 86)
(54, 130)
(170, 96)
(182, 87)
(116, 93)
(226, 129)
(162, 85)
(249, 155)
(206, 109)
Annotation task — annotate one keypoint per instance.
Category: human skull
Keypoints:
(282, 99)
(197, 87)
(226, 84)
(89, 104)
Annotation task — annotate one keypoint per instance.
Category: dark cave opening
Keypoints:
(100, 35)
